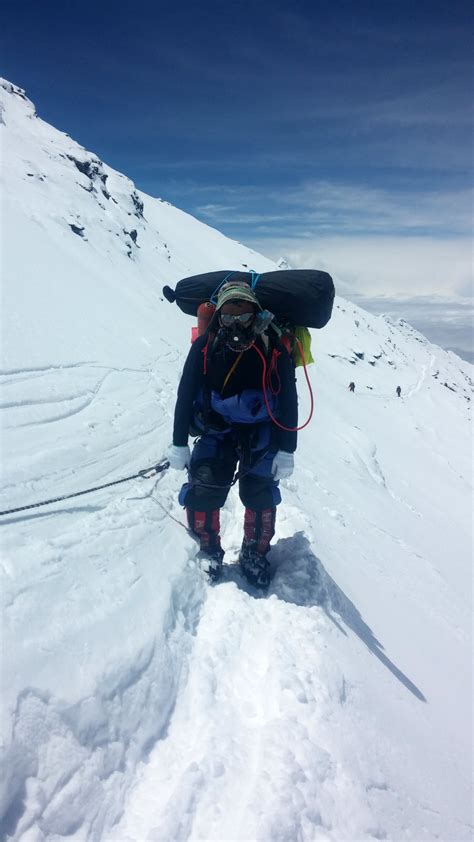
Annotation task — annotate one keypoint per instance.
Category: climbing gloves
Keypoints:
(179, 457)
(282, 465)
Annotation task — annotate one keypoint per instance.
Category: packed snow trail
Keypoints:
(254, 748)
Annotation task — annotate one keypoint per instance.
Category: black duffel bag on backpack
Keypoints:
(294, 296)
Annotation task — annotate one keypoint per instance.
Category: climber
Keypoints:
(223, 401)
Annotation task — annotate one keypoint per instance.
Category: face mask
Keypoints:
(238, 337)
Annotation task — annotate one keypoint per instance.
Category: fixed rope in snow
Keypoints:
(146, 473)
(168, 514)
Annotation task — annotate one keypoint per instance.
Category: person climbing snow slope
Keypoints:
(221, 400)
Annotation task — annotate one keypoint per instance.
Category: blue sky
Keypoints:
(305, 129)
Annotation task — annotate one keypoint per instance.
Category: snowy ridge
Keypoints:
(140, 703)
(104, 234)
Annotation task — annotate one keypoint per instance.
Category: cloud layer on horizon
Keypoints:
(425, 280)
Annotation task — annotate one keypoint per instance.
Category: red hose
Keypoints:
(264, 377)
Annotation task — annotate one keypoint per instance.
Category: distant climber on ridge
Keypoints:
(221, 400)
(399, 391)
(352, 386)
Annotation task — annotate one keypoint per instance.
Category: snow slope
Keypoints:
(141, 703)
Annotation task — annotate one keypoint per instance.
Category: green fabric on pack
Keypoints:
(304, 337)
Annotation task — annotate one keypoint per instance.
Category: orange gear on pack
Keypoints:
(205, 313)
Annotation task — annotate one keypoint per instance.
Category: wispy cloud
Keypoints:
(321, 206)
(234, 215)
(363, 209)
(433, 106)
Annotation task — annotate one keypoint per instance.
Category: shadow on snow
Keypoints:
(301, 579)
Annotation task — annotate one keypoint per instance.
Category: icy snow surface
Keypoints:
(141, 703)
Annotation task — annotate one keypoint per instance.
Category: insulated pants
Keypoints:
(213, 464)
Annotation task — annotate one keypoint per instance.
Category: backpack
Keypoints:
(294, 296)
(297, 298)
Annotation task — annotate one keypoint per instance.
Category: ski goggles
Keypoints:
(244, 319)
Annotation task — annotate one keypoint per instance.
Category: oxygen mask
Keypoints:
(237, 330)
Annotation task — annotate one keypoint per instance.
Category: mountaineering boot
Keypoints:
(206, 526)
(254, 565)
(259, 529)
(210, 562)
